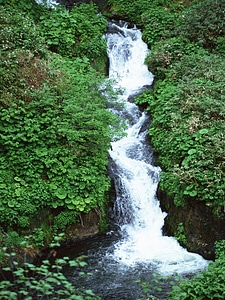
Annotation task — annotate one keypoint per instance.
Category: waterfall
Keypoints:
(48, 3)
(136, 209)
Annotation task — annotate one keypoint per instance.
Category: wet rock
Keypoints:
(201, 227)
(88, 225)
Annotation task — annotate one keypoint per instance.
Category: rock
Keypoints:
(201, 227)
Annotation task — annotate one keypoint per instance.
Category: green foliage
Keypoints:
(204, 22)
(187, 128)
(208, 284)
(64, 219)
(76, 32)
(128, 10)
(180, 234)
(166, 52)
(54, 148)
(159, 22)
(38, 238)
(30, 7)
(156, 17)
(158, 286)
(220, 45)
(55, 128)
(45, 281)
(220, 249)
(12, 240)
(18, 31)
(21, 48)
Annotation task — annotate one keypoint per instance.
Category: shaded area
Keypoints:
(70, 3)
(202, 227)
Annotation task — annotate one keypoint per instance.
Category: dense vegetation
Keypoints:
(55, 128)
(55, 132)
(205, 285)
(187, 41)
(187, 103)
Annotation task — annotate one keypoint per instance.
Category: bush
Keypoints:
(128, 10)
(76, 32)
(19, 31)
(167, 52)
(54, 123)
(159, 23)
(187, 129)
(54, 148)
(203, 23)
(208, 284)
(64, 219)
(44, 281)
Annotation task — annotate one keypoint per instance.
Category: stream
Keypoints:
(135, 248)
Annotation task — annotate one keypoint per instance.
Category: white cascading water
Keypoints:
(140, 217)
(48, 3)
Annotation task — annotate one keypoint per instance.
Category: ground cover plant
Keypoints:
(55, 128)
(207, 284)
(189, 114)
(44, 280)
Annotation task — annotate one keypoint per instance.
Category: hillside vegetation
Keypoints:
(55, 128)
(187, 41)
(187, 107)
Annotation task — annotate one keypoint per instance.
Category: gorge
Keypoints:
(60, 130)
(135, 247)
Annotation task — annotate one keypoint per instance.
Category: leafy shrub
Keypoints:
(64, 219)
(12, 240)
(180, 235)
(166, 52)
(208, 284)
(38, 238)
(54, 148)
(159, 23)
(22, 50)
(54, 124)
(45, 281)
(76, 32)
(157, 18)
(29, 7)
(203, 22)
(128, 10)
(220, 45)
(19, 31)
(187, 129)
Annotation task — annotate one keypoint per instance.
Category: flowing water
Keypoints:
(136, 247)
